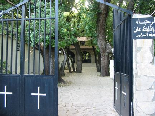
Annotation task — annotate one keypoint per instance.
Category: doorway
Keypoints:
(86, 57)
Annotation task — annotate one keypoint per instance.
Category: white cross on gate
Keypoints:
(5, 93)
(116, 90)
(124, 97)
(123, 93)
(38, 94)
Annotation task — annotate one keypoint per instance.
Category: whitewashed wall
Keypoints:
(112, 69)
(18, 58)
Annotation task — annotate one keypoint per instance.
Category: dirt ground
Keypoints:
(86, 94)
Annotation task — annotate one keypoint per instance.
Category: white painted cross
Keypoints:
(5, 93)
(116, 90)
(123, 93)
(38, 94)
(124, 97)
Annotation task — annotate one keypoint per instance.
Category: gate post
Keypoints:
(56, 58)
(22, 60)
(143, 76)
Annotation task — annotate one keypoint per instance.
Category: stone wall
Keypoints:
(144, 76)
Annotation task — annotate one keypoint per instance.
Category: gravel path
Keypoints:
(86, 94)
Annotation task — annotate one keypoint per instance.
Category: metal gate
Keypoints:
(29, 59)
(123, 63)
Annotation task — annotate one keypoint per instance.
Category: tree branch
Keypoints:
(131, 5)
(10, 3)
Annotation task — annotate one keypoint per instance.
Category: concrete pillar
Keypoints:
(144, 76)
(92, 57)
(112, 69)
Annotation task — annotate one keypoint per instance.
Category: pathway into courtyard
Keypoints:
(86, 94)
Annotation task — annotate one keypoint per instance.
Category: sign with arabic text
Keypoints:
(143, 28)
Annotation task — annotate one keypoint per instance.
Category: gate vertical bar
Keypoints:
(131, 66)
(29, 39)
(56, 55)
(50, 40)
(7, 36)
(114, 56)
(45, 39)
(11, 44)
(22, 59)
(34, 27)
(39, 34)
(16, 57)
(2, 50)
(56, 37)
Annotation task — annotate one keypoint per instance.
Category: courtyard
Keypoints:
(86, 94)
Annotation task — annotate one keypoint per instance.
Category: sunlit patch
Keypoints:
(124, 3)
(86, 4)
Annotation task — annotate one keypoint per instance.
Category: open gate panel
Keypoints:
(123, 63)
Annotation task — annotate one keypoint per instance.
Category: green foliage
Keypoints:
(40, 30)
(71, 24)
(145, 6)
(3, 68)
(67, 33)
(77, 24)
(109, 27)
(66, 5)
(4, 5)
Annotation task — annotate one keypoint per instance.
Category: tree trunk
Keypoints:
(49, 63)
(62, 73)
(71, 56)
(68, 63)
(95, 54)
(101, 30)
(78, 58)
(98, 63)
(131, 5)
(60, 80)
(72, 61)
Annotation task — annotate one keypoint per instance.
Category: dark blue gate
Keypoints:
(29, 59)
(123, 63)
